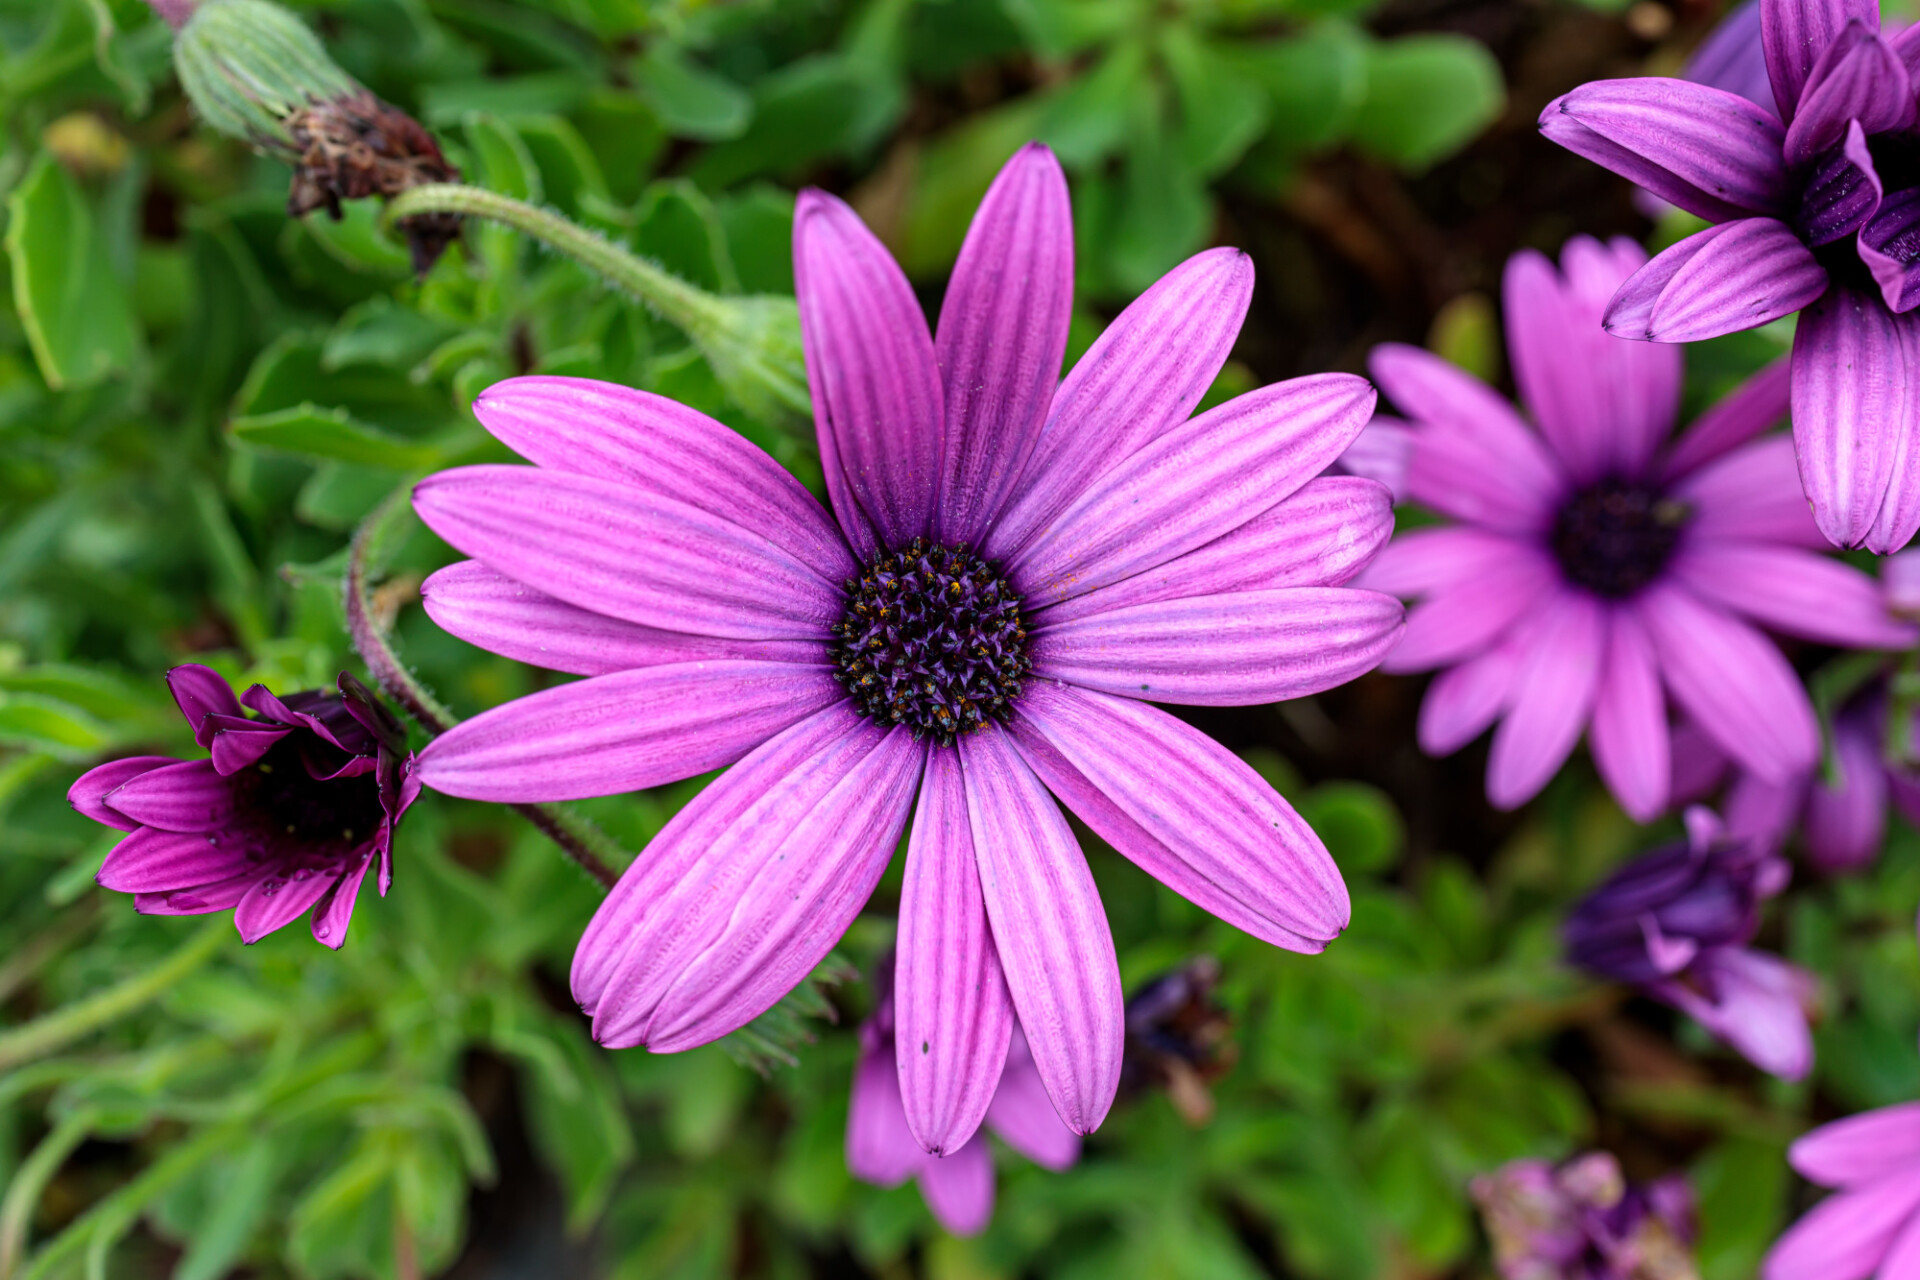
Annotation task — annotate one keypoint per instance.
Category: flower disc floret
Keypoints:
(933, 639)
(1615, 538)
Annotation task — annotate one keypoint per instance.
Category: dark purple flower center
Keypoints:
(1614, 538)
(934, 639)
(303, 813)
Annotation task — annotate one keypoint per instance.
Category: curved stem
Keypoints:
(579, 839)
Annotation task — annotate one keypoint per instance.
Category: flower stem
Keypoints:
(589, 847)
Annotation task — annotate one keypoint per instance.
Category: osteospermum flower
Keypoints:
(957, 1186)
(298, 800)
(1675, 922)
(1582, 1220)
(1817, 209)
(1012, 570)
(1871, 1225)
(1596, 571)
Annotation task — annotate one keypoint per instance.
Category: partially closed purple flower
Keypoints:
(1597, 572)
(1817, 209)
(1582, 1220)
(1014, 568)
(1871, 1226)
(1675, 923)
(957, 1186)
(298, 800)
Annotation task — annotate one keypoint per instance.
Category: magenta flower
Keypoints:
(298, 800)
(1816, 208)
(1675, 922)
(1012, 568)
(1582, 1220)
(957, 1186)
(1595, 570)
(1872, 1225)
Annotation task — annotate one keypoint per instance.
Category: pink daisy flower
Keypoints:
(1870, 1226)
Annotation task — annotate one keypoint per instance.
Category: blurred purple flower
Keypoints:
(1872, 1226)
(957, 1186)
(1013, 567)
(1177, 1038)
(1675, 923)
(298, 800)
(1597, 570)
(1582, 1221)
(1820, 214)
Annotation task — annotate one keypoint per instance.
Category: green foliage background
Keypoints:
(199, 401)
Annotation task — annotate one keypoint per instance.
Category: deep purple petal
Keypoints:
(235, 749)
(627, 553)
(1193, 484)
(1853, 413)
(1732, 681)
(1846, 1236)
(155, 861)
(638, 439)
(959, 1189)
(880, 1147)
(1860, 1149)
(1139, 380)
(1750, 495)
(89, 791)
(1890, 246)
(1841, 191)
(623, 732)
(1629, 737)
(1001, 337)
(1711, 152)
(1320, 537)
(1552, 696)
(952, 1013)
(202, 692)
(1735, 418)
(334, 912)
(1739, 275)
(1801, 593)
(1188, 811)
(278, 899)
(189, 795)
(1023, 1115)
(1857, 79)
(870, 363)
(1050, 929)
(1225, 650)
(489, 609)
(1795, 33)
(1460, 620)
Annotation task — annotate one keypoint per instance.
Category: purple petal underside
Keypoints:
(1738, 275)
(1794, 33)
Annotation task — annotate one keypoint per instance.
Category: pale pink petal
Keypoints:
(1459, 621)
(1735, 418)
(880, 1147)
(1435, 558)
(1751, 494)
(1756, 1003)
(1380, 452)
(1552, 696)
(959, 1189)
(1798, 592)
(1023, 1115)
(1860, 1149)
(1629, 737)
(1846, 1236)
(1463, 701)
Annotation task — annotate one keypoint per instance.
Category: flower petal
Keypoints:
(1735, 418)
(1023, 1115)
(880, 1147)
(278, 899)
(1140, 379)
(952, 1012)
(1553, 693)
(1461, 619)
(88, 794)
(1796, 32)
(870, 364)
(638, 439)
(1801, 593)
(1186, 810)
(959, 1189)
(186, 795)
(1756, 1003)
(221, 895)
(334, 912)
(489, 609)
(1890, 246)
(1845, 1237)
(1463, 701)
(1629, 737)
(1001, 337)
(627, 553)
(1846, 823)
(1732, 681)
(1859, 1149)
(1857, 79)
(1738, 275)
(155, 861)
(1380, 452)
(202, 692)
(1050, 929)
(1193, 484)
(1750, 495)
(1711, 152)
(1853, 410)
(1224, 650)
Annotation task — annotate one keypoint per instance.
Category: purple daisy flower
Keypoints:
(1675, 923)
(297, 801)
(1817, 210)
(957, 1186)
(1012, 569)
(1582, 1220)
(1872, 1225)
(1597, 570)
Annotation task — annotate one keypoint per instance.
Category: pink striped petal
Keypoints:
(155, 861)
(623, 732)
(1629, 736)
(1139, 380)
(88, 794)
(1860, 1149)
(1461, 620)
(202, 692)
(1853, 410)
(1801, 593)
(880, 1147)
(1187, 811)
(189, 795)
(1225, 650)
(1001, 337)
(1732, 681)
(639, 439)
(1462, 702)
(334, 912)
(1795, 33)
(952, 1012)
(1553, 693)
(959, 1189)
(1711, 152)
(1847, 1236)
(1320, 537)
(870, 364)
(1050, 929)
(1193, 484)
(623, 552)
(1023, 1115)
(1899, 518)
(1738, 275)
(489, 609)
(278, 899)
(1750, 495)
(1737, 417)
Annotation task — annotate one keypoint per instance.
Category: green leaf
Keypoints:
(1314, 82)
(332, 434)
(76, 312)
(1221, 111)
(691, 101)
(1358, 824)
(1742, 1184)
(1427, 96)
(506, 165)
(568, 169)
(238, 1208)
